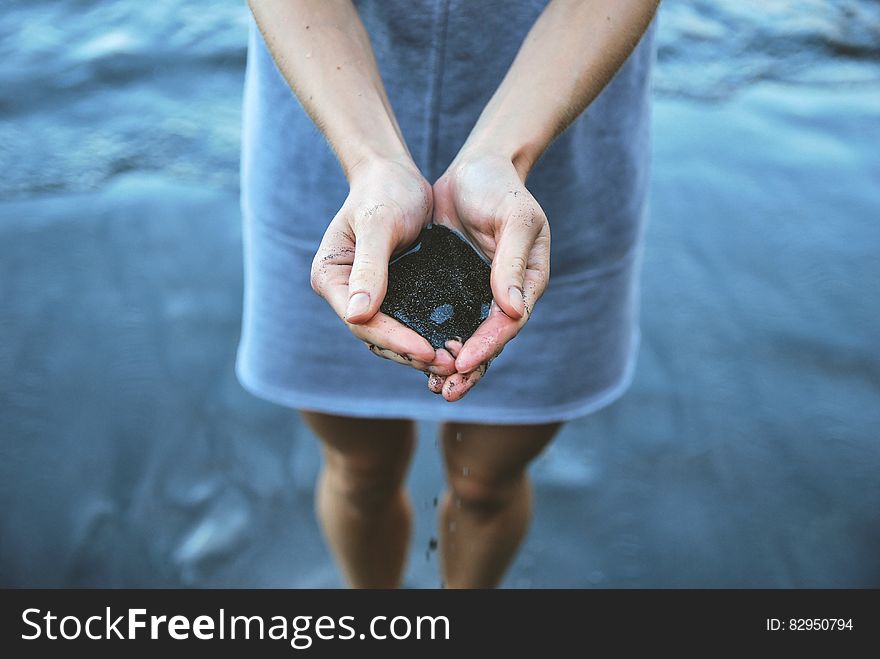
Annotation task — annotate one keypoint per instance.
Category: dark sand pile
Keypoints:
(439, 287)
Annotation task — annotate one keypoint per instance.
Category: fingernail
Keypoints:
(358, 304)
(514, 294)
(435, 384)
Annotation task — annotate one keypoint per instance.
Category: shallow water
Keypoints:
(744, 454)
(93, 89)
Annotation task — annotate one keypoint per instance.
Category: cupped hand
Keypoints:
(389, 203)
(484, 198)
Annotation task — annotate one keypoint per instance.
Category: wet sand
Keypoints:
(745, 453)
(439, 287)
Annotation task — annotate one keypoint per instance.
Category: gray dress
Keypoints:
(441, 60)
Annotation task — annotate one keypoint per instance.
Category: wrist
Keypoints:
(398, 177)
(484, 152)
(522, 155)
(366, 157)
(505, 128)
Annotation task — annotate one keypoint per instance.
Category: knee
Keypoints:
(484, 492)
(364, 485)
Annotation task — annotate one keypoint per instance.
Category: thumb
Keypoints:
(368, 280)
(509, 266)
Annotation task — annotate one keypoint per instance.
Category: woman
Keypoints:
(474, 94)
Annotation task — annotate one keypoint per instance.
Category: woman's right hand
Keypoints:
(388, 204)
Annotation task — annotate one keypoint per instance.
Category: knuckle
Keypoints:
(527, 215)
(517, 263)
(364, 263)
(368, 213)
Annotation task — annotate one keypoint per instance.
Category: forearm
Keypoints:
(569, 55)
(324, 53)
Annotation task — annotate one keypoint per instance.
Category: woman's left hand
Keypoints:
(484, 198)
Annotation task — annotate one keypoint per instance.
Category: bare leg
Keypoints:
(486, 512)
(360, 501)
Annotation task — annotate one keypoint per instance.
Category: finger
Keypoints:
(458, 384)
(435, 383)
(331, 270)
(498, 329)
(454, 347)
(368, 279)
(488, 341)
(332, 263)
(384, 331)
(444, 363)
(381, 329)
(535, 282)
(445, 368)
(393, 356)
(512, 257)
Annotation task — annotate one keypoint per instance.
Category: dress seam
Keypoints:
(438, 58)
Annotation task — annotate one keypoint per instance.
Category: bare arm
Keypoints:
(572, 51)
(324, 53)
(567, 58)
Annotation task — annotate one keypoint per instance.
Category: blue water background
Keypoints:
(745, 454)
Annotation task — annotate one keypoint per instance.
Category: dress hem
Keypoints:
(382, 409)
